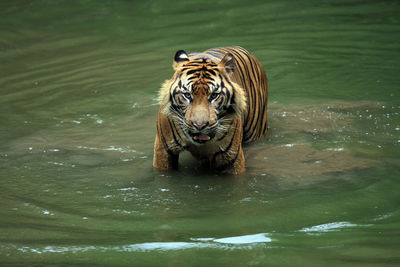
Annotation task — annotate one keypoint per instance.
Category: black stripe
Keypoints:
(211, 71)
(221, 151)
(190, 72)
(230, 163)
(175, 91)
(225, 111)
(226, 133)
(265, 123)
(223, 85)
(250, 92)
(176, 78)
(177, 131)
(238, 66)
(255, 117)
(261, 119)
(181, 103)
(176, 108)
(257, 96)
(173, 134)
(169, 151)
(228, 95)
(221, 103)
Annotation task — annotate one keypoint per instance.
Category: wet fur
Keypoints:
(238, 114)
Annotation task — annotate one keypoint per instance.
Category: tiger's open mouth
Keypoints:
(201, 138)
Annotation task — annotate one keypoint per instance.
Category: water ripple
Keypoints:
(328, 227)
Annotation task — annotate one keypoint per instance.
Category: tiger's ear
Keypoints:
(180, 56)
(228, 62)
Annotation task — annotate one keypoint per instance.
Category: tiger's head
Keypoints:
(201, 96)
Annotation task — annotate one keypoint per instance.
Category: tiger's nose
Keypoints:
(200, 125)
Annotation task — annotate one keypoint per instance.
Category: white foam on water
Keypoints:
(328, 227)
(245, 239)
(163, 246)
(244, 242)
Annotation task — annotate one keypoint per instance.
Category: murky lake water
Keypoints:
(78, 87)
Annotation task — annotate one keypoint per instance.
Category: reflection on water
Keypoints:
(310, 140)
(78, 107)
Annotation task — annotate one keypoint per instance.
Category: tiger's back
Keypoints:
(252, 78)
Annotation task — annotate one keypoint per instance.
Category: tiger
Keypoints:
(214, 103)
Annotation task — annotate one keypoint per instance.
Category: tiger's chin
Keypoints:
(200, 138)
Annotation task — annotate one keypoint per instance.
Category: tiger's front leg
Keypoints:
(231, 164)
(167, 145)
(230, 159)
(163, 160)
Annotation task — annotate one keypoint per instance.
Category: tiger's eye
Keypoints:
(214, 96)
(188, 95)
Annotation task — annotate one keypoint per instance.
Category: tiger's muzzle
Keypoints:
(200, 132)
(200, 137)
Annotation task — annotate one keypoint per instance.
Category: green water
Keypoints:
(78, 88)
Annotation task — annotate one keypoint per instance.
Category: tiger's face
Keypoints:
(201, 103)
(201, 96)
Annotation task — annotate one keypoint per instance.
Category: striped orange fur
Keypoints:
(215, 101)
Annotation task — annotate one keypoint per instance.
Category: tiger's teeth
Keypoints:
(196, 137)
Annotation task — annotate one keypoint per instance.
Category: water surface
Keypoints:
(78, 89)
